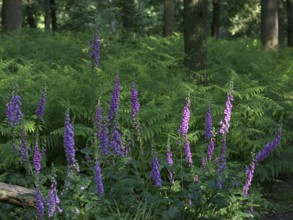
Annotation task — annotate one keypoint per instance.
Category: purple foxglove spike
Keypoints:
(52, 200)
(116, 142)
(209, 124)
(135, 106)
(185, 120)
(221, 160)
(13, 111)
(98, 178)
(23, 147)
(41, 107)
(156, 175)
(39, 204)
(188, 152)
(225, 125)
(98, 119)
(37, 159)
(114, 105)
(265, 152)
(69, 143)
(249, 179)
(211, 148)
(169, 156)
(95, 51)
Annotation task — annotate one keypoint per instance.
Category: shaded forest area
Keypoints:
(173, 109)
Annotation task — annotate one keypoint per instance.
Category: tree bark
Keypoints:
(168, 18)
(53, 15)
(11, 15)
(195, 26)
(30, 14)
(47, 14)
(216, 18)
(269, 24)
(290, 22)
(17, 195)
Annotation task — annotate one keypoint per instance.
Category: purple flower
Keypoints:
(99, 183)
(95, 51)
(156, 175)
(225, 125)
(211, 148)
(13, 111)
(264, 153)
(69, 143)
(221, 160)
(248, 179)
(53, 200)
(114, 105)
(37, 159)
(209, 124)
(185, 119)
(23, 147)
(169, 156)
(41, 107)
(40, 204)
(98, 120)
(188, 152)
(135, 106)
(116, 142)
(204, 164)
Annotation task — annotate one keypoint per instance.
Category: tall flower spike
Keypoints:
(170, 163)
(135, 106)
(69, 143)
(13, 111)
(188, 152)
(41, 107)
(249, 174)
(156, 175)
(98, 178)
(185, 119)
(102, 130)
(211, 148)
(52, 200)
(114, 101)
(98, 119)
(95, 51)
(265, 152)
(39, 204)
(225, 125)
(209, 123)
(37, 159)
(23, 147)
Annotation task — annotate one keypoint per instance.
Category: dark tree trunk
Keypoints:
(195, 26)
(168, 18)
(290, 22)
(216, 18)
(30, 14)
(269, 24)
(53, 15)
(11, 15)
(47, 14)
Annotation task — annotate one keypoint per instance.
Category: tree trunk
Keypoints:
(282, 22)
(53, 15)
(269, 24)
(216, 18)
(195, 25)
(47, 14)
(290, 22)
(128, 14)
(30, 14)
(168, 18)
(17, 195)
(11, 15)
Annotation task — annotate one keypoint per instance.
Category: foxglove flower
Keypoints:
(209, 124)
(53, 200)
(116, 141)
(225, 125)
(170, 163)
(221, 161)
(249, 173)
(264, 153)
(98, 120)
(98, 176)
(69, 143)
(23, 147)
(13, 111)
(135, 106)
(95, 51)
(40, 204)
(37, 159)
(211, 148)
(41, 107)
(185, 119)
(188, 152)
(114, 105)
(156, 175)
(102, 130)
